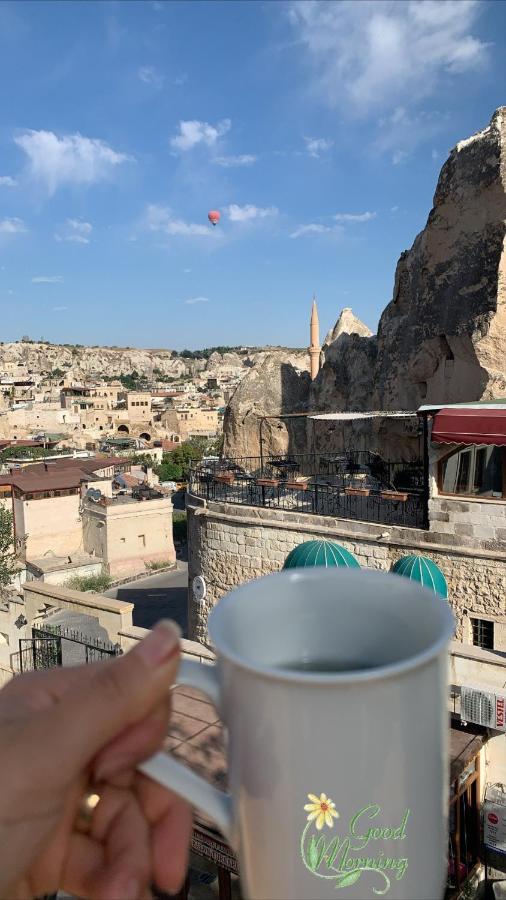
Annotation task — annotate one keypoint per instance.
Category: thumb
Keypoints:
(116, 695)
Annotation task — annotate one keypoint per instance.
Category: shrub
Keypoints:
(89, 582)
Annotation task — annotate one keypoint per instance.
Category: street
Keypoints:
(158, 596)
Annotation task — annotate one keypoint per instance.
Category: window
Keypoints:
(142, 540)
(483, 633)
(122, 540)
(475, 471)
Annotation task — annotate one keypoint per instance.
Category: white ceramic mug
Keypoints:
(338, 779)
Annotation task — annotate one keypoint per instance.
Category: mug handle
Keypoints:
(176, 776)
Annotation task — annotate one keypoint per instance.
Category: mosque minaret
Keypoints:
(314, 341)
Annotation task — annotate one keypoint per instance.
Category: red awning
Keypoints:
(471, 425)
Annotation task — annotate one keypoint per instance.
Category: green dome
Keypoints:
(423, 570)
(320, 553)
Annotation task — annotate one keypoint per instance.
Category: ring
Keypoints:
(87, 806)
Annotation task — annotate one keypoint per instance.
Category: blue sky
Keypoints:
(318, 131)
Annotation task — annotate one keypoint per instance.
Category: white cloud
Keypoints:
(75, 231)
(402, 130)
(316, 146)
(159, 218)
(315, 228)
(398, 156)
(193, 300)
(47, 279)
(230, 162)
(247, 213)
(7, 181)
(192, 132)
(12, 226)
(149, 75)
(374, 54)
(69, 159)
(355, 217)
(59, 308)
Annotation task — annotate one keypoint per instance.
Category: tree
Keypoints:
(169, 471)
(8, 566)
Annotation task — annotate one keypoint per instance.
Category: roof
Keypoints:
(127, 480)
(320, 553)
(60, 474)
(28, 481)
(373, 414)
(473, 424)
(424, 571)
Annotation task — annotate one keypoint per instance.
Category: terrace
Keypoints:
(356, 484)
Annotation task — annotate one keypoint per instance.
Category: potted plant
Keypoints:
(394, 495)
(225, 477)
(268, 482)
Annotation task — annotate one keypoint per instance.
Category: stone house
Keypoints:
(54, 517)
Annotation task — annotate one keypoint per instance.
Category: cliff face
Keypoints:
(441, 338)
(277, 385)
(348, 360)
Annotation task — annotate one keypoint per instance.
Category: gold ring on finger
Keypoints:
(87, 806)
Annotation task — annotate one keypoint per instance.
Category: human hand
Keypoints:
(64, 732)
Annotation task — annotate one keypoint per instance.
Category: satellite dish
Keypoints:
(199, 588)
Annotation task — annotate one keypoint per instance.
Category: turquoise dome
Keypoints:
(320, 553)
(423, 570)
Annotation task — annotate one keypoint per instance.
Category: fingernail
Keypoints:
(160, 644)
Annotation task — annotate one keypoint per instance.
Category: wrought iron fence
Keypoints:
(354, 485)
(52, 645)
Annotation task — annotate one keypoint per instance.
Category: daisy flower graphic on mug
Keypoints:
(321, 808)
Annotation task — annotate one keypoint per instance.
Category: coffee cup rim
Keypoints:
(378, 673)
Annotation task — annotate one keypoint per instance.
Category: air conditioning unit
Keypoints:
(483, 708)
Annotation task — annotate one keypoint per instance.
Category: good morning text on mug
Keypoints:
(332, 685)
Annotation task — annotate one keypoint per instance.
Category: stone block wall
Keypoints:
(229, 545)
(482, 522)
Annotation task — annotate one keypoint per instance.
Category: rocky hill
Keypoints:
(86, 362)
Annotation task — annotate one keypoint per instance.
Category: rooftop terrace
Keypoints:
(354, 484)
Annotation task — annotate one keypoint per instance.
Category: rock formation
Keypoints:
(347, 323)
(441, 339)
(277, 385)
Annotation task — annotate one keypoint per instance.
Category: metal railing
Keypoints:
(52, 645)
(356, 485)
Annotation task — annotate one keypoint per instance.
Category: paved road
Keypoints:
(157, 597)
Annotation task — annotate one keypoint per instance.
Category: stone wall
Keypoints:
(482, 521)
(230, 544)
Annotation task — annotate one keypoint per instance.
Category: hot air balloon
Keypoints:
(213, 216)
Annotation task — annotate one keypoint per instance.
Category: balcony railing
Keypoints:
(351, 485)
